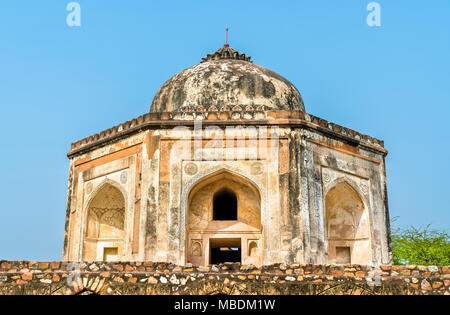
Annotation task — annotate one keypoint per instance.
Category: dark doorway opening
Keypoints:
(225, 250)
(225, 205)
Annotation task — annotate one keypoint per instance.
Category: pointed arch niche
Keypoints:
(104, 227)
(224, 220)
(347, 225)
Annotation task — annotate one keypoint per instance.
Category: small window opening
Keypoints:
(225, 206)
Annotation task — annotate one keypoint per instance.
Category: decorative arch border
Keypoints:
(351, 183)
(95, 285)
(198, 179)
(87, 202)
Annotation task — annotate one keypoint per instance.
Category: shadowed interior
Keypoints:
(225, 250)
(225, 205)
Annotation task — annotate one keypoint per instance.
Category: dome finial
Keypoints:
(226, 52)
(226, 36)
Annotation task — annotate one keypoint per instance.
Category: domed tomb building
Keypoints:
(227, 166)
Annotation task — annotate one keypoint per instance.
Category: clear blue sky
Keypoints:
(60, 84)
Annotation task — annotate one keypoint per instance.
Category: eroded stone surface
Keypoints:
(224, 84)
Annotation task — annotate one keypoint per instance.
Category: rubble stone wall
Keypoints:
(139, 278)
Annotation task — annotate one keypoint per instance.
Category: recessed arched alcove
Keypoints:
(347, 225)
(223, 215)
(104, 228)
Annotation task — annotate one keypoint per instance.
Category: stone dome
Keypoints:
(223, 80)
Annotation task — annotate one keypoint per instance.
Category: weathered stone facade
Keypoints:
(140, 278)
(307, 191)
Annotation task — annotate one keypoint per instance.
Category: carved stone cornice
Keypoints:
(235, 116)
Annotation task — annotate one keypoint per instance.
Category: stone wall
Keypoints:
(56, 278)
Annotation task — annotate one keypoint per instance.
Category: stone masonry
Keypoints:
(148, 278)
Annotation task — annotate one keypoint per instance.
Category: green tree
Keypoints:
(416, 246)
